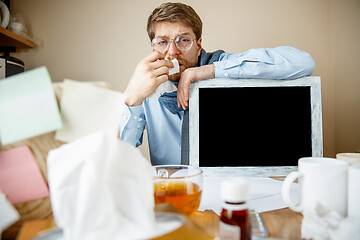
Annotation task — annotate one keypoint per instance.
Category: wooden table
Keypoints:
(282, 223)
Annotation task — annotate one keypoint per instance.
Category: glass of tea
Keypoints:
(179, 185)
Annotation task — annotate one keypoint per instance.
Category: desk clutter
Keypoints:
(37, 116)
(64, 137)
(29, 108)
(329, 197)
(97, 192)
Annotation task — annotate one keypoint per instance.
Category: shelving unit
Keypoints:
(11, 42)
(9, 39)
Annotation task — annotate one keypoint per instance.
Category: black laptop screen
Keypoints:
(254, 126)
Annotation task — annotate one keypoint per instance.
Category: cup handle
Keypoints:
(5, 15)
(285, 191)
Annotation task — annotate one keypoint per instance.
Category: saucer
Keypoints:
(165, 223)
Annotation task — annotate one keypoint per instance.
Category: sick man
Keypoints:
(175, 31)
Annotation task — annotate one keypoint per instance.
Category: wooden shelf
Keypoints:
(10, 39)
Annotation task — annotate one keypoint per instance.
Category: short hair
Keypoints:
(172, 12)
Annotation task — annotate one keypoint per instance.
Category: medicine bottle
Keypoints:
(235, 222)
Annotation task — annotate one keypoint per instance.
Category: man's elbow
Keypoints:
(304, 67)
(309, 65)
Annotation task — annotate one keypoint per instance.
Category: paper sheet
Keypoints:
(20, 177)
(28, 106)
(86, 108)
(264, 194)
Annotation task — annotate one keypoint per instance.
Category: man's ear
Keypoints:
(198, 42)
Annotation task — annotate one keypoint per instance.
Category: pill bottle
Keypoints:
(235, 222)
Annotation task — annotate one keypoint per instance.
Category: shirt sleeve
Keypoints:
(132, 125)
(272, 63)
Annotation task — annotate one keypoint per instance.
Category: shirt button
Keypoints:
(226, 74)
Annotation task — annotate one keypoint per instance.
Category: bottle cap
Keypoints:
(234, 190)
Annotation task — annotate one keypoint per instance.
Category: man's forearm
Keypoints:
(204, 72)
(191, 75)
(272, 63)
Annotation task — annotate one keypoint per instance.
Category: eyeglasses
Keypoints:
(182, 42)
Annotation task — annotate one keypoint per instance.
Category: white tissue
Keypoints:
(101, 188)
(321, 223)
(163, 88)
(349, 229)
(176, 67)
(8, 214)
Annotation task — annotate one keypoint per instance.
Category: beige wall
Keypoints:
(92, 40)
(345, 60)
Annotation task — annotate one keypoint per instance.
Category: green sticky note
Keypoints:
(28, 106)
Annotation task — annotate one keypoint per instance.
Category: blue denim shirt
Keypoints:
(164, 127)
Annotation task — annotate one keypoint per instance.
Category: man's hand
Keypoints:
(149, 74)
(191, 75)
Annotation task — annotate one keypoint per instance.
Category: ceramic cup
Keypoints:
(321, 180)
(351, 158)
(353, 190)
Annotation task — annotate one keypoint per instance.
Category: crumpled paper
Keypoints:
(321, 223)
(101, 188)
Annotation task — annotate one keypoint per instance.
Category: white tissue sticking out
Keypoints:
(8, 214)
(175, 69)
(320, 223)
(163, 88)
(101, 188)
(349, 229)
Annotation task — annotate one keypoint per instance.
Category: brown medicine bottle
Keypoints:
(235, 222)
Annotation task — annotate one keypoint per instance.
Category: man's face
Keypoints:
(187, 59)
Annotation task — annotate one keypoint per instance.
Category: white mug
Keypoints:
(321, 180)
(354, 190)
(351, 158)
